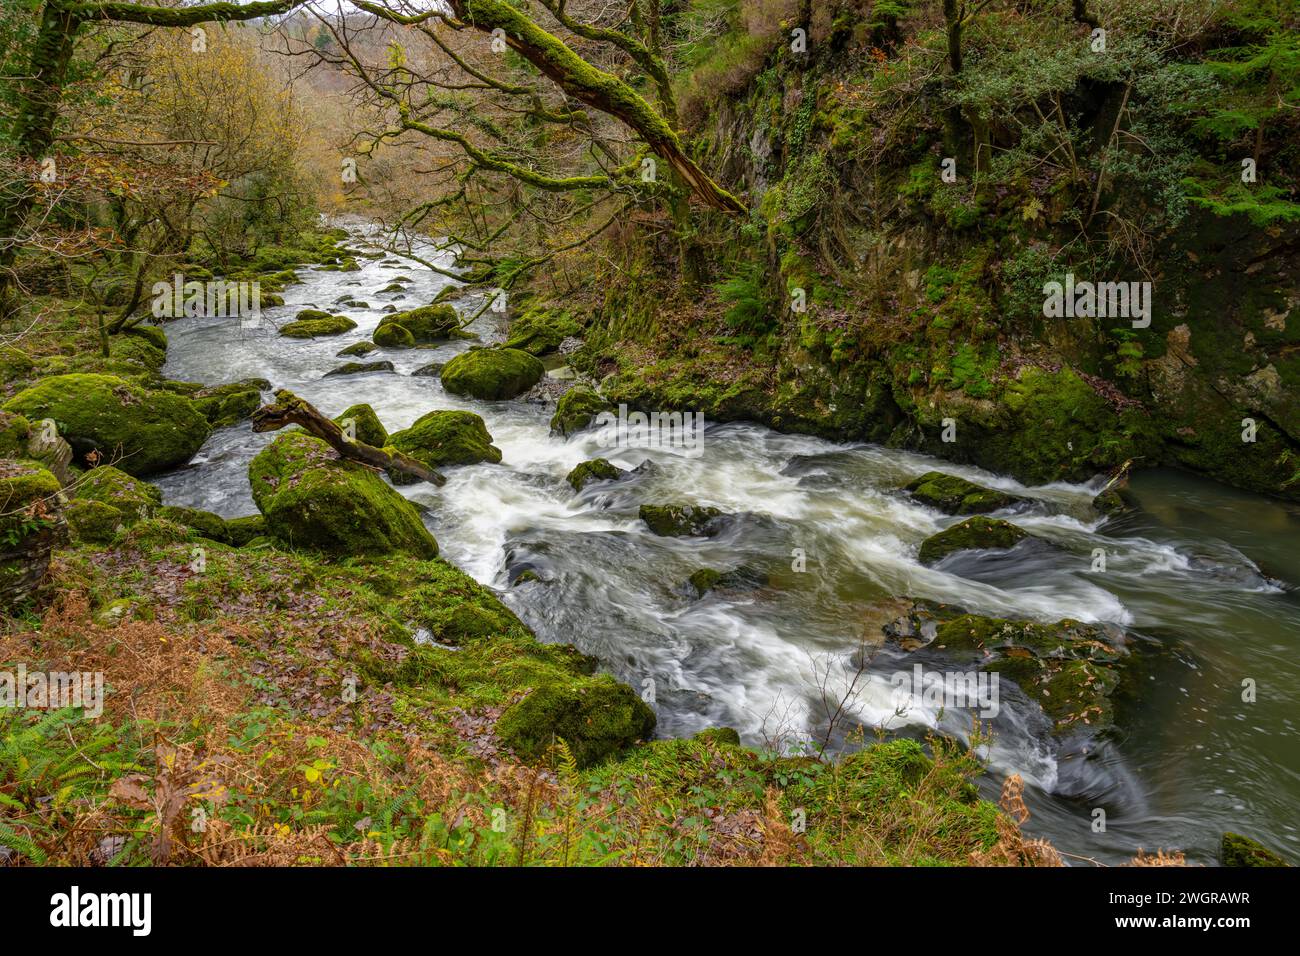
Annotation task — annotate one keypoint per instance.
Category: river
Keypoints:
(1205, 573)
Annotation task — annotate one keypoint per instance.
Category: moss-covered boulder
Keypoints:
(135, 355)
(445, 438)
(149, 333)
(205, 523)
(366, 426)
(132, 498)
(1071, 669)
(978, 533)
(957, 496)
(596, 717)
(394, 336)
(240, 531)
(357, 349)
(540, 331)
(317, 328)
(360, 368)
(141, 430)
(1238, 850)
(31, 525)
(597, 469)
(427, 324)
(313, 499)
(676, 521)
(743, 578)
(226, 405)
(492, 374)
(14, 432)
(576, 410)
(92, 521)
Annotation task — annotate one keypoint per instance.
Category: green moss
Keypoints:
(427, 324)
(719, 736)
(132, 498)
(680, 520)
(226, 405)
(14, 432)
(312, 499)
(596, 717)
(540, 331)
(27, 493)
(357, 349)
(240, 531)
(394, 336)
(492, 374)
(447, 438)
(143, 431)
(92, 521)
(206, 523)
(976, 533)
(317, 328)
(1238, 850)
(597, 469)
(957, 496)
(367, 426)
(151, 334)
(576, 410)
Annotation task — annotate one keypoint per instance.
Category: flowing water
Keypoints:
(1203, 575)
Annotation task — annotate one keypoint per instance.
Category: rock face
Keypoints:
(140, 430)
(314, 328)
(677, 521)
(957, 496)
(1070, 669)
(492, 374)
(446, 438)
(31, 525)
(978, 533)
(576, 410)
(313, 499)
(540, 331)
(597, 469)
(595, 717)
(365, 423)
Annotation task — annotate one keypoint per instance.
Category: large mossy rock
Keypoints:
(677, 521)
(313, 499)
(366, 426)
(576, 410)
(597, 469)
(205, 523)
(445, 438)
(492, 374)
(394, 336)
(596, 717)
(540, 331)
(427, 324)
(978, 533)
(31, 525)
(133, 499)
(226, 405)
(315, 328)
(1069, 668)
(1238, 850)
(140, 430)
(957, 496)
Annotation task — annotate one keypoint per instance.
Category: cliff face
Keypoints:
(881, 293)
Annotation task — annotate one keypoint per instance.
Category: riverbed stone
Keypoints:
(977, 533)
(360, 368)
(317, 328)
(356, 349)
(743, 578)
(576, 410)
(313, 499)
(492, 373)
(540, 331)
(226, 405)
(428, 323)
(366, 424)
(142, 430)
(677, 521)
(957, 496)
(394, 336)
(597, 469)
(447, 437)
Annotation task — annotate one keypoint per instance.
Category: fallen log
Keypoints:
(289, 409)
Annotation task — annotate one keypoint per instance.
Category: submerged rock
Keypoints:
(1238, 850)
(492, 374)
(957, 496)
(597, 469)
(313, 499)
(743, 578)
(366, 425)
(141, 430)
(978, 533)
(678, 521)
(576, 410)
(447, 438)
(594, 716)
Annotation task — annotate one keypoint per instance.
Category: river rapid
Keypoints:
(1204, 575)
